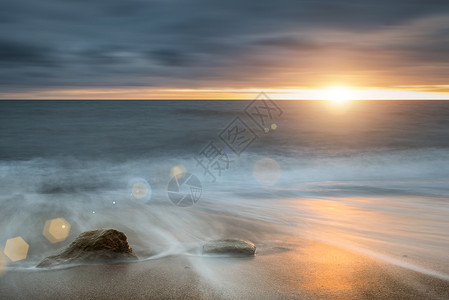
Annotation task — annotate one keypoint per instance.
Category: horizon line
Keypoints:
(193, 99)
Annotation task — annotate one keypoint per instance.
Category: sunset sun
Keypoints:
(337, 94)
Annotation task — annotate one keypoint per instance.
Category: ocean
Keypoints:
(371, 176)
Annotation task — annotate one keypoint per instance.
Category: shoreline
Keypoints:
(298, 268)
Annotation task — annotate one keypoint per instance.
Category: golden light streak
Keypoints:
(418, 92)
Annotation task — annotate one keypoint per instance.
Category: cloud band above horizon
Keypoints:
(174, 44)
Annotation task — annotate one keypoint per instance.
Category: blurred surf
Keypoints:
(372, 177)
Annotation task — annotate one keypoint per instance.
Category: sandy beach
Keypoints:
(299, 269)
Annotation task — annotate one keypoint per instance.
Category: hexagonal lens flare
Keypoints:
(16, 249)
(56, 230)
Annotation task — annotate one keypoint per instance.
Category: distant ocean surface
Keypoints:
(369, 175)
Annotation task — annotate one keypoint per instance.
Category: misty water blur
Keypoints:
(373, 178)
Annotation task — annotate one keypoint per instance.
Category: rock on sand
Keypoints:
(229, 246)
(101, 245)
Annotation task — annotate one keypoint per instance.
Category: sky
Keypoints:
(233, 49)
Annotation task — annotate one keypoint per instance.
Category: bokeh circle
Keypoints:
(267, 171)
(139, 189)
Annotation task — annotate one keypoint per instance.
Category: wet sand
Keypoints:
(297, 269)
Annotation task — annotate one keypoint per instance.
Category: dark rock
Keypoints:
(228, 246)
(102, 245)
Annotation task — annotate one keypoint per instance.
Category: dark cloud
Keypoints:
(290, 42)
(175, 42)
(169, 57)
(21, 53)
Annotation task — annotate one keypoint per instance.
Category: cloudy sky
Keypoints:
(222, 49)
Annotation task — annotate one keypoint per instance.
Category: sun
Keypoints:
(337, 94)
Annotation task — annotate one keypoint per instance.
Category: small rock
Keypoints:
(102, 245)
(228, 246)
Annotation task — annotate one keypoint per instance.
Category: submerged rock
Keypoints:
(102, 245)
(228, 246)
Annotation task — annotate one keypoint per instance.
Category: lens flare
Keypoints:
(267, 171)
(139, 189)
(16, 249)
(56, 230)
(178, 171)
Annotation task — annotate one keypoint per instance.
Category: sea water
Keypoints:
(372, 176)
